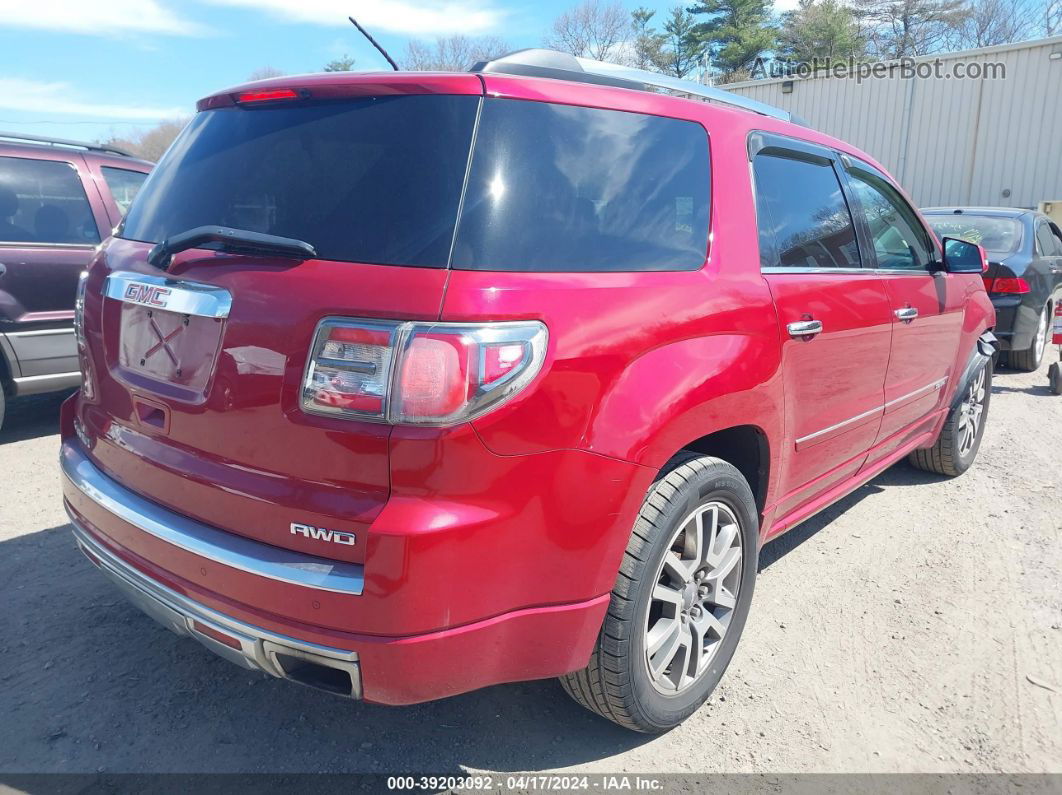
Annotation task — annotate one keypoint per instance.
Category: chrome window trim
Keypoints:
(228, 549)
(936, 385)
(186, 298)
(849, 271)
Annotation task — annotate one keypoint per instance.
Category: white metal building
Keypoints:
(948, 141)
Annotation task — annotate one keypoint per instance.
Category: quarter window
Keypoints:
(124, 185)
(43, 201)
(900, 241)
(802, 215)
(1046, 244)
(563, 188)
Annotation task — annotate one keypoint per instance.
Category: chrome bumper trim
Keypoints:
(228, 549)
(260, 649)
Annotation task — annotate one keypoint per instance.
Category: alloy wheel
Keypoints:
(693, 598)
(970, 411)
(1041, 334)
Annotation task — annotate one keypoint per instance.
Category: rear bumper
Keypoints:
(244, 644)
(152, 553)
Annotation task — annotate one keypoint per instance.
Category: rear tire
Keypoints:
(960, 438)
(683, 593)
(1029, 360)
(3, 406)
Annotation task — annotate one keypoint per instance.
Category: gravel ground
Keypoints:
(916, 626)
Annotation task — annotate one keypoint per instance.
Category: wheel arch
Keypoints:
(748, 448)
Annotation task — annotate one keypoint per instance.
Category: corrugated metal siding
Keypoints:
(949, 141)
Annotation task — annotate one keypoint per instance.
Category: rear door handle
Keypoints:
(907, 314)
(804, 328)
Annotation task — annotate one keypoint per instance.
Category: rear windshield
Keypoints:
(374, 180)
(998, 235)
(379, 180)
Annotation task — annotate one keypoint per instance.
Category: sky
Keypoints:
(87, 70)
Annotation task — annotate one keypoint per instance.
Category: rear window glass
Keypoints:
(374, 180)
(998, 235)
(561, 188)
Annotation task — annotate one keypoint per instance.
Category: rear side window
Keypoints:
(124, 185)
(562, 188)
(1046, 243)
(802, 215)
(374, 180)
(43, 201)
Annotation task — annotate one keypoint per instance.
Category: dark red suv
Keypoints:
(58, 200)
(400, 385)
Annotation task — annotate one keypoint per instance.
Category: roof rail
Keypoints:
(37, 139)
(536, 62)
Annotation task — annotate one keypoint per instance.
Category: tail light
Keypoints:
(88, 387)
(1007, 285)
(419, 373)
(79, 309)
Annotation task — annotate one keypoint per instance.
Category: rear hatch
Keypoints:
(195, 373)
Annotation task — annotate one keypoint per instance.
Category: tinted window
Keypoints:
(1045, 241)
(43, 201)
(124, 185)
(560, 188)
(900, 241)
(802, 215)
(998, 235)
(368, 180)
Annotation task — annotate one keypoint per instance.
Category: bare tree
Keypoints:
(264, 72)
(989, 22)
(593, 29)
(452, 53)
(149, 144)
(1052, 22)
(908, 28)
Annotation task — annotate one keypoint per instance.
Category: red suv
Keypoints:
(400, 385)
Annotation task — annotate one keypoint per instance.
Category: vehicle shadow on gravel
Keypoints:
(898, 475)
(32, 417)
(89, 684)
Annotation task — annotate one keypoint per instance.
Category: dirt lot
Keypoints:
(915, 626)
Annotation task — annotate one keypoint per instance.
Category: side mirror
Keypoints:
(963, 257)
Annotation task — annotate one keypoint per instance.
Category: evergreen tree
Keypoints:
(736, 33)
(818, 29)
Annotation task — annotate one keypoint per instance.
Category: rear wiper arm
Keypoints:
(238, 241)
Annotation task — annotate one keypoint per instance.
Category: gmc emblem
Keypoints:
(147, 294)
(321, 534)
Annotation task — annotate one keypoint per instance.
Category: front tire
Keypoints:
(960, 438)
(1029, 360)
(680, 600)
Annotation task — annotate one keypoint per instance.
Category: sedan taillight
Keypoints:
(1007, 285)
(419, 373)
